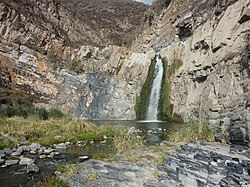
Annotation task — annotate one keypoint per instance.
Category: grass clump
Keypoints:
(53, 182)
(192, 131)
(46, 132)
(125, 141)
(69, 169)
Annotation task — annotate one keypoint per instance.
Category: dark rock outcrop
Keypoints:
(197, 164)
(202, 164)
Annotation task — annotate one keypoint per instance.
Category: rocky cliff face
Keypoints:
(44, 51)
(206, 47)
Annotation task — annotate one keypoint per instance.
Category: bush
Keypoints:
(192, 131)
(55, 113)
(43, 114)
(25, 111)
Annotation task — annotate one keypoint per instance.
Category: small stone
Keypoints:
(48, 151)
(16, 154)
(214, 163)
(7, 151)
(26, 148)
(32, 168)
(51, 155)
(61, 146)
(105, 137)
(11, 162)
(42, 156)
(83, 157)
(35, 146)
(67, 143)
(132, 130)
(3, 166)
(33, 152)
(92, 142)
(19, 150)
(103, 142)
(2, 161)
(25, 160)
(23, 138)
(150, 131)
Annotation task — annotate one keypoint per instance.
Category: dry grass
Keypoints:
(125, 141)
(192, 131)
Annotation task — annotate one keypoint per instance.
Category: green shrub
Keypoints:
(43, 114)
(55, 113)
(192, 131)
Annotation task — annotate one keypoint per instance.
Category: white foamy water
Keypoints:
(152, 110)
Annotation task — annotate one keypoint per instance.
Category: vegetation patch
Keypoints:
(166, 108)
(54, 131)
(192, 131)
(53, 182)
(143, 99)
(26, 111)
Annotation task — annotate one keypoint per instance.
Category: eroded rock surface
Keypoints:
(193, 164)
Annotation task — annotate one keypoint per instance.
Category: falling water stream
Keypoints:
(152, 111)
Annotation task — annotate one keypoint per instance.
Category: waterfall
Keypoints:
(152, 110)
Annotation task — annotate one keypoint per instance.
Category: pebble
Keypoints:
(7, 151)
(103, 142)
(32, 168)
(61, 146)
(35, 146)
(42, 156)
(48, 151)
(11, 162)
(25, 160)
(83, 157)
(16, 154)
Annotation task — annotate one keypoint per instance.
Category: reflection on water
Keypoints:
(153, 131)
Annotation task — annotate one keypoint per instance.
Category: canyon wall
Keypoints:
(45, 51)
(206, 45)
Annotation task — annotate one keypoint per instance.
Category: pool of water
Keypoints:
(16, 176)
(154, 131)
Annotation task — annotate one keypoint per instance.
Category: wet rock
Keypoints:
(15, 154)
(33, 152)
(48, 151)
(25, 161)
(42, 156)
(2, 161)
(32, 168)
(83, 158)
(61, 146)
(197, 164)
(35, 146)
(11, 162)
(103, 142)
(7, 151)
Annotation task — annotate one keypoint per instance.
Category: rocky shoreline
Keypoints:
(28, 154)
(192, 164)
